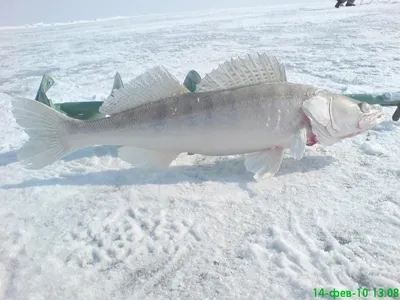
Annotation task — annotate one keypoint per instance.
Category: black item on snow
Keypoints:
(396, 115)
(341, 2)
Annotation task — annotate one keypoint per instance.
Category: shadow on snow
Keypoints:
(223, 170)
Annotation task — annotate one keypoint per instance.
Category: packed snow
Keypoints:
(91, 227)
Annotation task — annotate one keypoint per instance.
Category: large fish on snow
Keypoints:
(245, 106)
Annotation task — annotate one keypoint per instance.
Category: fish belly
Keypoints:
(217, 137)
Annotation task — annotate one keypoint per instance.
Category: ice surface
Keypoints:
(90, 227)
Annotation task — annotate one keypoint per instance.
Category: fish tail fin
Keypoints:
(46, 128)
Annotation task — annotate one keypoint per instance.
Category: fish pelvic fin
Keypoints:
(45, 128)
(146, 158)
(264, 164)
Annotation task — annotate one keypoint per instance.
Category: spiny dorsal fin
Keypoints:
(258, 68)
(155, 84)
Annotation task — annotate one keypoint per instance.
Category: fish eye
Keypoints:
(364, 107)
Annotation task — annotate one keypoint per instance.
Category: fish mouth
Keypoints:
(371, 120)
(368, 122)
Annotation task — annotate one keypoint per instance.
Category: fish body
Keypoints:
(235, 121)
(256, 112)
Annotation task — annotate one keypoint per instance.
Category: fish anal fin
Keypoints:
(146, 158)
(298, 144)
(264, 164)
(253, 69)
(153, 85)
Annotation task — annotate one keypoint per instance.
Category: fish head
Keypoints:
(334, 117)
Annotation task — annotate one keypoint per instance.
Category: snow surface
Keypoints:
(91, 227)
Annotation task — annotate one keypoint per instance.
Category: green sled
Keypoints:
(89, 110)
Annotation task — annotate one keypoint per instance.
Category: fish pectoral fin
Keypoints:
(264, 164)
(146, 158)
(298, 144)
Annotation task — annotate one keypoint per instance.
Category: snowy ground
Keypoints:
(89, 227)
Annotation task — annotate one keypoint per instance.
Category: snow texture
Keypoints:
(91, 227)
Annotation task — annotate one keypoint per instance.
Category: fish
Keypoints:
(246, 106)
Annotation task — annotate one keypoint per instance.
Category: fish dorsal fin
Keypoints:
(253, 69)
(153, 85)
